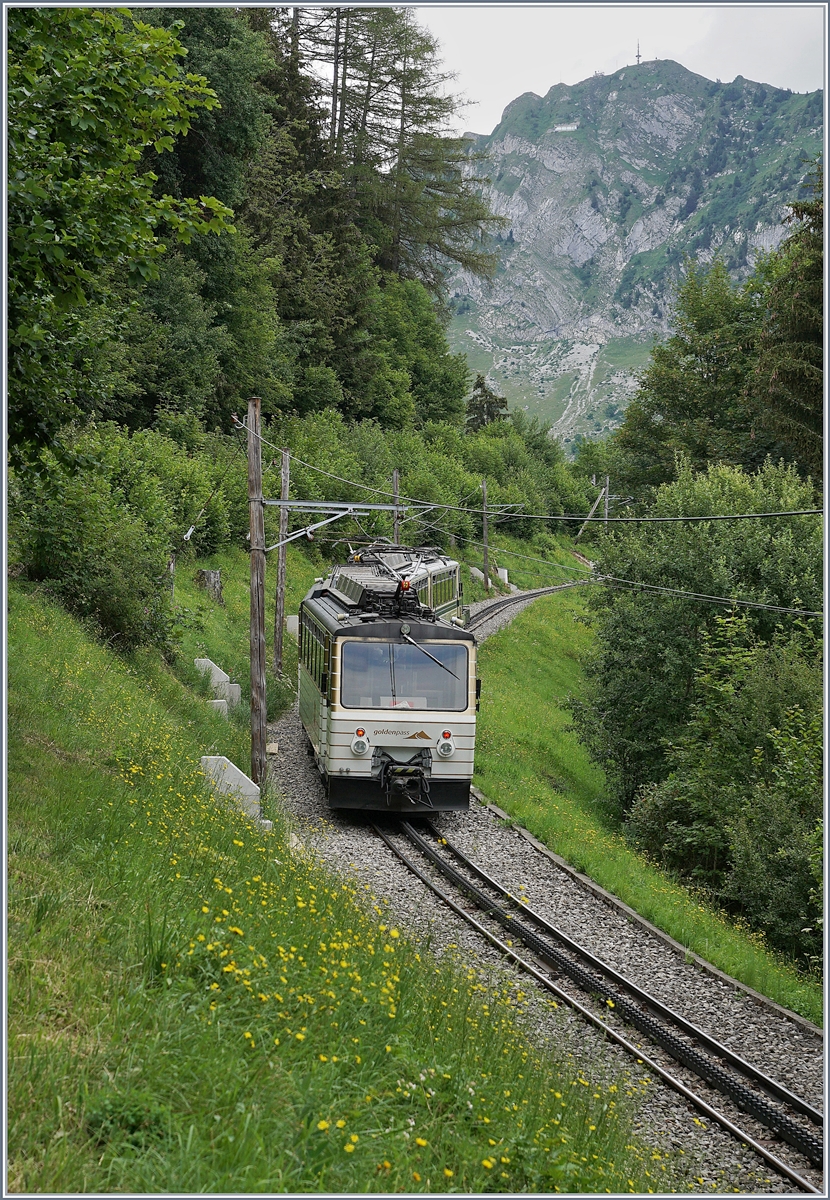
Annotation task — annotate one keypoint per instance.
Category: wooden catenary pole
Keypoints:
(590, 514)
(396, 533)
(257, 519)
(279, 607)
(484, 535)
(607, 489)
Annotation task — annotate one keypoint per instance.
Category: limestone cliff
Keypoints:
(606, 187)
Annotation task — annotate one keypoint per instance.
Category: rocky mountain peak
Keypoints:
(606, 187)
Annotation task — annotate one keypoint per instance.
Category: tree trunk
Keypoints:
(341, 125)
(211, 581)
(333, 129)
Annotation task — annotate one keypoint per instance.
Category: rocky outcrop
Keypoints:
(605, 188)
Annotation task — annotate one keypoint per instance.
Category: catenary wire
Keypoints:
(629, 584)
(799, 512)
(636, 585)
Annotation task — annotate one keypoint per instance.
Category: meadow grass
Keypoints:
(221, 632)
(531, 765)
(194, 1007)
(545, 561)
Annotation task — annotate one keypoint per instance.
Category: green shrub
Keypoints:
(737, 812)
(102, 561)
(772, 842)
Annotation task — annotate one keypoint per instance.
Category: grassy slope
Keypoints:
(532, 767)
(193, 1009)
(221, 633)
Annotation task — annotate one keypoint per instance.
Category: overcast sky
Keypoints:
(501, 51)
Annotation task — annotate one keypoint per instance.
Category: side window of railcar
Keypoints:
(442, 589)
(312, 649)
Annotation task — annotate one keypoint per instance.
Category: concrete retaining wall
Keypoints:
(227, 778)
(229, 694)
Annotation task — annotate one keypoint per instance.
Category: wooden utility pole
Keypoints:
(591, 513)
(607, 488)
(257, 520)
(279, 606)
(484, 535)
(396, 527)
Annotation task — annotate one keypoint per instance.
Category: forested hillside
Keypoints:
(706, 717)
(186, 231)
(208, 203)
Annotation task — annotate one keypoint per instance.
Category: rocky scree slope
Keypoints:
(607, 186)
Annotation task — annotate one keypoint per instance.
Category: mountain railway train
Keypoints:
(387, 682)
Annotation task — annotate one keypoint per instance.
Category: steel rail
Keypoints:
(771, 1086)
(704, 1067)
(699, 1103)
(497, 606)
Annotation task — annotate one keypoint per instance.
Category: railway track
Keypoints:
(554, 955)
(487, 611)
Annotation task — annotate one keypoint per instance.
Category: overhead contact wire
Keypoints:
(800, 512)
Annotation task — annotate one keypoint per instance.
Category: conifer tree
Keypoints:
(787, 383)
(484, 406)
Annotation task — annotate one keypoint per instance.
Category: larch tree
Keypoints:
(484, 406)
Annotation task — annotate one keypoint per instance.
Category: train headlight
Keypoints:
(446, 747)
(360, 742)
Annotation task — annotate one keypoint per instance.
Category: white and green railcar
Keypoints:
(387, 682)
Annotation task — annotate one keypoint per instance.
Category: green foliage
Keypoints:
(648, 646)
(438, 379)
(415, 200)
(438, 463)
(774, 866)
(484, 406)
(101, 535)
(741, 377)
(105, 562)
(173, 344)
(735, 810)
(787, 384)
(89, 90)
(154, 484)
(312, 301)
(691, 399)
(212, 159)
(539, 773)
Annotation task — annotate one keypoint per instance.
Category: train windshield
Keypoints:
(390, 675)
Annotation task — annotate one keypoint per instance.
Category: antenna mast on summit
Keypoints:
(638, 52)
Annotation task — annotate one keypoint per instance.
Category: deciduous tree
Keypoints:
(88, 91)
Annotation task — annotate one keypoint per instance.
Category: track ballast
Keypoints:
(789, 1118)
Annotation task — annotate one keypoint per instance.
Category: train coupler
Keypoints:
(403, 781)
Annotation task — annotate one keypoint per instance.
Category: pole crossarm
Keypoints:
(350, 510)
(358, 508)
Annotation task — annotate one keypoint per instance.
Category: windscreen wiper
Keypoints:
(412, 642)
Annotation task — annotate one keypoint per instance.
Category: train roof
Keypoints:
(366, 591)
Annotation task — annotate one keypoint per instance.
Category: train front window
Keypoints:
(390, 675)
